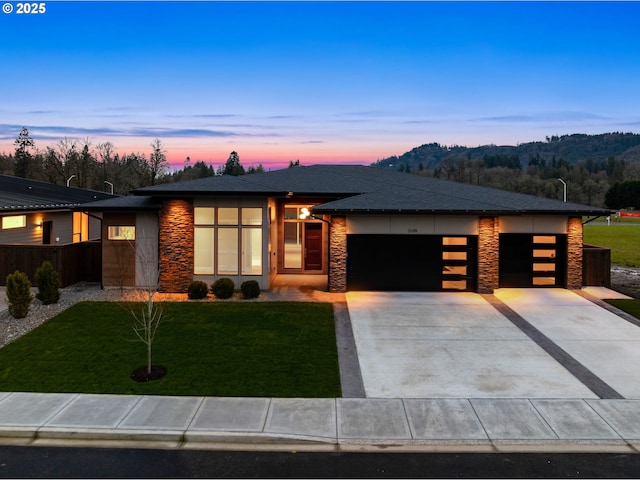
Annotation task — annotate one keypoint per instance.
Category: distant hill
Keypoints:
(571, 148)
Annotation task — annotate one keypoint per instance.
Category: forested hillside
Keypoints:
(588, 164)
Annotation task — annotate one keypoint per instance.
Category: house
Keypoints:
(36, 217)
(366, 228)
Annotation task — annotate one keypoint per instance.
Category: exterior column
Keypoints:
(175, 245)
(338, 254)
(574, 253)
(488, 254)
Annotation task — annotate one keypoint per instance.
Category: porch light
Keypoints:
(305, 213)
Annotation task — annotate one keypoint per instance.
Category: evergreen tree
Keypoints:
(24, 143)
(233, 166)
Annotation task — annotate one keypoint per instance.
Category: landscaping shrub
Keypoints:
(197, 290)
(48, 284)
(250, 289)
(223, 288)
(18, 294)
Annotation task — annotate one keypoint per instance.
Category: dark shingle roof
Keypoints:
(20, 194)
(370, 189)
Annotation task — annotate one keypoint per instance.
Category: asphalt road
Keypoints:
(58, 462)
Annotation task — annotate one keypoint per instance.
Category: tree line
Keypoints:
(535, 168)
(82, 164)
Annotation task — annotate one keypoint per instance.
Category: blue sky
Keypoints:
(341, 82)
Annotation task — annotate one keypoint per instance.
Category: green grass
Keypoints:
(631, 306)
(279, 349)
(622, 238)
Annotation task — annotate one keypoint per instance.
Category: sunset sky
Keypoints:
(340, 82)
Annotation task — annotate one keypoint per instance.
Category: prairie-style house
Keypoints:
(365, 228)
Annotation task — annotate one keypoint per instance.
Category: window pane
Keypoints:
(292, 245)
(291, 213)
(204, 215)
(541, 281)
(121, 232)
(454, 284)
(544, 267)
(454, 240)
(539, 253)
(454, 255)
(544, 239)
(252, 251)
(203, 251)
(454, 270)
(251, 216)
(227, 216)
(227, 251)
(17, 221)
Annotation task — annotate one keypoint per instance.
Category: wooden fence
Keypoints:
(596, 266)
(74, 262)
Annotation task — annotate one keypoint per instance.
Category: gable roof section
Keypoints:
(360, 189)
(20, 194)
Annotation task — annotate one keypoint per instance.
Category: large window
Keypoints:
(228, 240)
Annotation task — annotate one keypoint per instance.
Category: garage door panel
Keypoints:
(406, 263)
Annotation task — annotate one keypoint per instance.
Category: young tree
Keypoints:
(148, 318)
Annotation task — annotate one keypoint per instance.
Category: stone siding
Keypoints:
(574, 253)
(338, 255)
(176, 246)
(488, 254)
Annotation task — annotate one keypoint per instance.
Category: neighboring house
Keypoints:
(366, 228)
(34, 213)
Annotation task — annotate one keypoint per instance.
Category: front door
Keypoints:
(312, 246)
(46, 232)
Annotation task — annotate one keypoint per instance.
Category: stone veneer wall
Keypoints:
(574, 253)
(175, 245)
(338, 255)
(488, 254)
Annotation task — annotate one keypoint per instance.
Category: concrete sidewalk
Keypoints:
(321, 424)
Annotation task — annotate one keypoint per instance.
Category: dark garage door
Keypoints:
(411, 262)
(528, 260)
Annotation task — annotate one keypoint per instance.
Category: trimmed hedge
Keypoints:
(197, 290)
(18, 294)
(223, 288)
(250, 289)
(48, 284)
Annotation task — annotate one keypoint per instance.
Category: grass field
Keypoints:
(631, 306)
(279, 349)
(622, 237)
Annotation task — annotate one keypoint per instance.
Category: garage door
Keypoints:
(411, 262)
(528, 260)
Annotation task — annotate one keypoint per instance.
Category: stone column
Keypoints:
(488, 254)
(338, 254)
(175, 245)
(574, 253)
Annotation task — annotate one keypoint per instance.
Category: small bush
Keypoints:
(48, 284)
(223, 288)
(250, 289)
(18, 294)
(197, 290)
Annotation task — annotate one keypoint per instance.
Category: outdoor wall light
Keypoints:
(304, 213)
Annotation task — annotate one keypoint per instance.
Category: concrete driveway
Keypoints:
(431, 345)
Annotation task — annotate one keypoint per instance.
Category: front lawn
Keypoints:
(279, 349)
